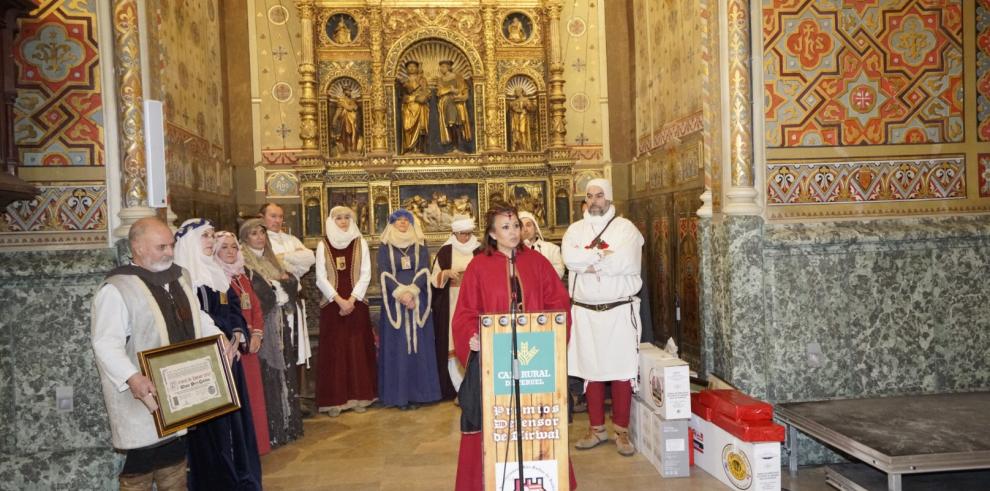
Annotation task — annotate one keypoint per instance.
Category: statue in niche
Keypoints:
(517, 32)
(341, 29)
(342, 35)
(415, 109)
(452, 98)
(520, 110)
(345, 121)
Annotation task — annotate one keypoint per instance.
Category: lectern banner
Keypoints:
(542, 353)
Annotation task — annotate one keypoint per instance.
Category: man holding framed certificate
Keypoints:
(145, 305)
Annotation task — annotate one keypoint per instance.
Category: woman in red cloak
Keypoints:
(485, 289)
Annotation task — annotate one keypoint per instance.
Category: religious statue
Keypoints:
(463, 206)
(345, 122)
(519, 117)
(342, 34)
(415, 109)
(452, 97)
(517, 33)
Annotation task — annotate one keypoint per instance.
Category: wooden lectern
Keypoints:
(542, 351)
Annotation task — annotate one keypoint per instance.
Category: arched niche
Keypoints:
(429, 47)
(343, 102)
(524, 103)
(435, 100)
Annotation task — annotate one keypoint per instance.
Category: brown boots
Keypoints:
(598, 435)
(622, 443)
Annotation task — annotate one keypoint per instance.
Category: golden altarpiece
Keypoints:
(437, 109)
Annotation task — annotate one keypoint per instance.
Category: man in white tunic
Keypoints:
(533, 237)
(295, 258)
(603, 254)
(144, 305)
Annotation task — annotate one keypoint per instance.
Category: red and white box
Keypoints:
(744, 462)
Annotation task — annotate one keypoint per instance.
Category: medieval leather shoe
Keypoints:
(596, 436)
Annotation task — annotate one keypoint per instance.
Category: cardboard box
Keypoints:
(664, 443)
(665, 383)
(738, 464)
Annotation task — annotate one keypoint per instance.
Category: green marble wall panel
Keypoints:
(45, 299)
(897, 305)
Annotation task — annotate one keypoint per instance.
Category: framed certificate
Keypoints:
(193, 383)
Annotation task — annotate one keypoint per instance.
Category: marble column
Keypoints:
(307, 79)
(130, 112)
(740, 194)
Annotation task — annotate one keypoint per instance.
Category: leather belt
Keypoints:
(602, 307)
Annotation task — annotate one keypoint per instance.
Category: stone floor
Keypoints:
(388, 449)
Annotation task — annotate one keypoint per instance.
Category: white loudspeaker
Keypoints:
(154, 145)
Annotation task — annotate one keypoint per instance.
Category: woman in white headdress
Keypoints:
(346, 376)
(407, 362)
(448, 265)
(223, 452)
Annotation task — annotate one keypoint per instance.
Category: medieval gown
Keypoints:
(284, 418)
(407, 362)
(346, 359)
(251, 310)
(223, 453)
(485, 290)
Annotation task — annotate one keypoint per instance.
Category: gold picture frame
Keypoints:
(193, 383)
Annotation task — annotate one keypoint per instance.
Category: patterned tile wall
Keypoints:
(862, 73)
(58, 209)
(59, 112)
(866, 181)
(983, 69)
(184, 48)
(668, 75)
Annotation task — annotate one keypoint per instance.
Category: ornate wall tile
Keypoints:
(59, 208)
(983, 69)
(58, 112)
(866, 181)
(862, 73)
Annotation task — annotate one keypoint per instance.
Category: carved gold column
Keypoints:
(307, 79)
(379, 136)
(130, 113)
(492, 127)
(558, 123)
(740, 197)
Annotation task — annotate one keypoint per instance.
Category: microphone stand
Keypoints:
(516, 373)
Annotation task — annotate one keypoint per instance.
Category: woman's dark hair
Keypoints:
(496, 209)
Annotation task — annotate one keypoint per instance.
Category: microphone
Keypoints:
(512, 258)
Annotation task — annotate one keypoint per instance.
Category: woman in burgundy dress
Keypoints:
(346, 375)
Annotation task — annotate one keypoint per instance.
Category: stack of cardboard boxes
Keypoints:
(736, 440)
(661, 411)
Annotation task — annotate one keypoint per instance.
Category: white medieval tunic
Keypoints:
(551, 251)
(604, 345)
(296, 259)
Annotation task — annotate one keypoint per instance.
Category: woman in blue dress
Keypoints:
(407, 362)
(223, 452)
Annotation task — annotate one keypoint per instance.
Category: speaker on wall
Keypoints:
(154, 144)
